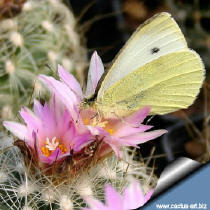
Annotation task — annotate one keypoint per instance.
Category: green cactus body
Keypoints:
(21, 190)
(43, 33)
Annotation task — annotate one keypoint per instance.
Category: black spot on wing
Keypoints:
(155, 50)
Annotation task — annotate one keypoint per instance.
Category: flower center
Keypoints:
(51, 145)
(102, 124)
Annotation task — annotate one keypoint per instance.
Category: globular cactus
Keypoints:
(19, 189)
(42, 33)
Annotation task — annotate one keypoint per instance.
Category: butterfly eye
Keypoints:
(155, 50)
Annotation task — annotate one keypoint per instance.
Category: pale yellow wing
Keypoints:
(158, 36)
(166, 84)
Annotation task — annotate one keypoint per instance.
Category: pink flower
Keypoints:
(50, 132)
(114, 132)
(68, 90)
(62, 128)
(118, 133)
(131, 198)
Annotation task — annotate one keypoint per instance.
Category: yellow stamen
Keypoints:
(85, 121)
(109, 130)
(100, 123)
(51, 146)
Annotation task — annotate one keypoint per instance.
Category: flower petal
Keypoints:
(70, 81)
(49, 123)
(53, 157)
(115, 144)
(33, 123)
(95, 131)
(80, 141)
(37, 108)
(126, 130)
(113, 199)
(95, 72)
(17, 129)
(148, 195)
(57, 107)
(63, 92)
(140, 138)
(137, 117)
(134, 196)
(95, 204)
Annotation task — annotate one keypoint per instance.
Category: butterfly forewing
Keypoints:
(158, 36)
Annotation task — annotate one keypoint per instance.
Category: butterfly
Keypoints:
(155, 68)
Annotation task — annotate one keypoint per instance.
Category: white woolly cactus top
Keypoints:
(20, 190)
(43, 33)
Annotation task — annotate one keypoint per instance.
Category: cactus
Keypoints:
(19, 189)
(43, 33)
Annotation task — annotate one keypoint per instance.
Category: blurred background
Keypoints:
(36, 35)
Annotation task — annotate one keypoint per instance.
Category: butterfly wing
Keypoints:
(166, 84)
(154, 68)
(158, 36)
